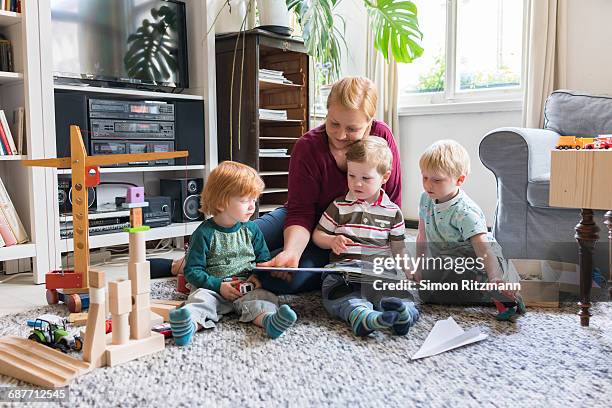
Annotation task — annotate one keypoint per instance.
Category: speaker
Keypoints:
(184, 194)
(189, 122)
(64, 195)
(70, 109)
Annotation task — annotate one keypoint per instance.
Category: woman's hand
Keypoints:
(339, 244)
(228, 291)
(284, 259)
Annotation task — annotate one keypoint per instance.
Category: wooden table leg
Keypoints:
(608, 222)
(586, 235)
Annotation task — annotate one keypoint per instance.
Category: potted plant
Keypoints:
(394, 23)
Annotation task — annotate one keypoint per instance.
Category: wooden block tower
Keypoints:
(142, 340)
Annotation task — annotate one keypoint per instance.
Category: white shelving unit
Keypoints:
(135, 93)
(119, 238)
(141, 169)
(26, 186)
(34, 190)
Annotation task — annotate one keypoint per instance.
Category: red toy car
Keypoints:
(601, 142)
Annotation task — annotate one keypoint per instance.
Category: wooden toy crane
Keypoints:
(129, 300)
(85, 173)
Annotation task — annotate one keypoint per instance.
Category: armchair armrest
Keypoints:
(518, 147)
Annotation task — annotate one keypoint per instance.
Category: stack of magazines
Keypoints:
(270, 75)
(272, 114)
(273, 152)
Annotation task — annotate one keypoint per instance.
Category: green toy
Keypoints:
(55, 336)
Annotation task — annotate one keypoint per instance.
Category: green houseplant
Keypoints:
(394, 23)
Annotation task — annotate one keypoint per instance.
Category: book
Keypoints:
(353, 270)
(11, 216)
(19, 129)
(6, 148)
(6, 234)
(7, 131)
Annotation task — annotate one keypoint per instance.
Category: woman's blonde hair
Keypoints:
(357, 93)
(372, 150)
(229, 179)
(448, 157)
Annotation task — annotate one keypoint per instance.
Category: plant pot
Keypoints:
(273, 13)
(230, 19)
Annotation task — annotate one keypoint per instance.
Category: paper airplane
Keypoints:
(447, 335)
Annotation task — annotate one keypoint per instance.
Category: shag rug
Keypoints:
(544, 359)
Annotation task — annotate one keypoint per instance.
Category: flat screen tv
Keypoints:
(137, 43)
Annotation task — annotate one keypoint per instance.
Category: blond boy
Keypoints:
(452, 225)
(364, 224)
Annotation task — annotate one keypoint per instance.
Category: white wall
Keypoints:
(589, 36)
(418, 132)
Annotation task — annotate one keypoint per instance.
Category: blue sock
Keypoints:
(182, 325)
(408, 314)
(277, 323)
(364, 320)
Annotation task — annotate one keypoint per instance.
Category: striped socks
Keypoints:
(407, 314)
(277, 323)
(364, 321)
(182, 325)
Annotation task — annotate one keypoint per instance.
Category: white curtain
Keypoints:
(384, 75)
(546, 68)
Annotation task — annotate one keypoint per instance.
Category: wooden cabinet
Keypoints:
(242, 133)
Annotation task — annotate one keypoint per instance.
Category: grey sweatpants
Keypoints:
(207, 306)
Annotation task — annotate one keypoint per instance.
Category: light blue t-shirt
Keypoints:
(452, 222)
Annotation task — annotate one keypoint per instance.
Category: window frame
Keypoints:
(504, 98)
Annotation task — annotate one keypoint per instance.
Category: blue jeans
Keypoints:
(340, 297)
(272, 226)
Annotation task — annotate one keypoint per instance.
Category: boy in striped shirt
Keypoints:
(363, 225)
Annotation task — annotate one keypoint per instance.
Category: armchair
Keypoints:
(525, 225)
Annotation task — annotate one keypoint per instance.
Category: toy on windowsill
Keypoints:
(53, 333)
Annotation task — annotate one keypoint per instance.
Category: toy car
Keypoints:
(601, 142)
(245, 287)
(573, 142)
(55, 335)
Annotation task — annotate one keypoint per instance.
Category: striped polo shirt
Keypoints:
(371, 227)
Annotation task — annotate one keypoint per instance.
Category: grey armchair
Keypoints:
(525, 225)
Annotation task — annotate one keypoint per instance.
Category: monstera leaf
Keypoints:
(394, 23)
(395, 26)
(321, 38)
(150, 55)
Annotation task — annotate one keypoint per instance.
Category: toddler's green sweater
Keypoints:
(216, 252)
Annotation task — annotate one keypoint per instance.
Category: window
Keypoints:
(473, 52)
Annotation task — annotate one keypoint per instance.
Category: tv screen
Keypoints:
(135, 42)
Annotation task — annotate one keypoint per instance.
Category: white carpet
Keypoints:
(545, 359)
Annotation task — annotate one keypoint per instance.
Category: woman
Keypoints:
(317, 175)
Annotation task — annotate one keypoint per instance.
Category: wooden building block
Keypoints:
(137, 247)
(136, 217)
(120, 296)
(37, 364)
(97, 279)
(156, 319)
(140, 323)
(141, 301)
(118, 354)
(95, 343)
(121, 328)
(140, 275)
(177, 303)
(78, 319)
(162, 310)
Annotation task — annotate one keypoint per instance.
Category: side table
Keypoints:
(583, 179)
